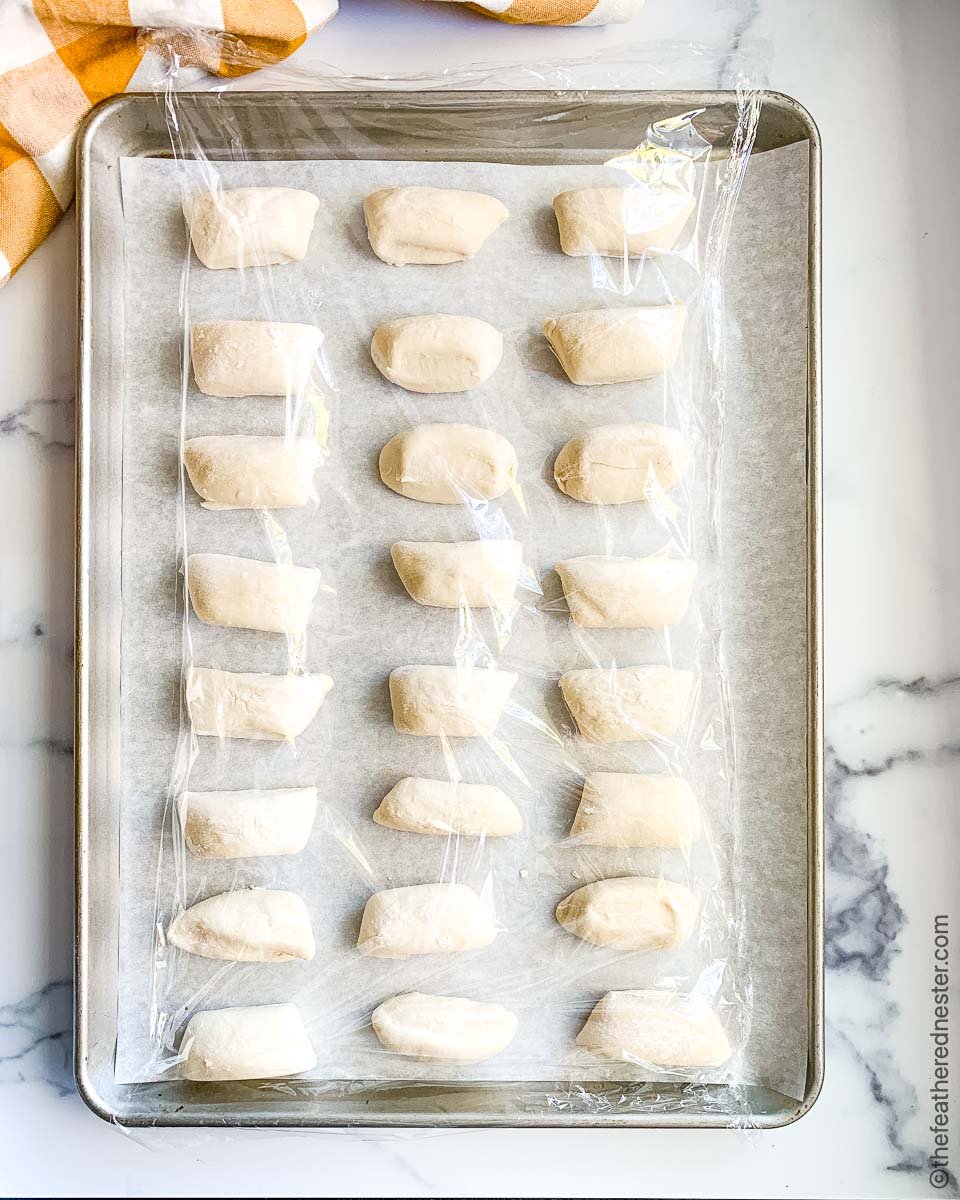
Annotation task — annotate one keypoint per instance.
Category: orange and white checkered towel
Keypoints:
(60, 57)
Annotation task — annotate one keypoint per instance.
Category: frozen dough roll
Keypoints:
(242, 704)
(619, 464)
(622, 221)
(449, 701)
(443, 1027)
(246, 925)
(627, 704)
(267, 1041)
(429, 225)
(243, 471)
(617, 345)
(253, 358)
(250, 824)
(630, 913)
(250, 227)
(478, 574)
(448, 464)
(657, 1027)
(437, 352)
(645, 811)
(246, 593)
(427, 918)
(609, 592)
(434, 806)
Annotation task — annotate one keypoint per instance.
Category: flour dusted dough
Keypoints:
(617, 221)
(429, 225)
(427, 918)
(253, 358)
(448, 464)
(647, 811)
(609, 592)
(250, 227)
(246, 925)
(267, 1041)
(437, 353)
(449, 701)
(243, 471)
(434, 806)
(663, 1028)
(242, 704)
(617, 345)
(630, 913)
(626, 704)
(245, 593)
(250, 824)
(478, 574)
(619, 464)
(443, 1027)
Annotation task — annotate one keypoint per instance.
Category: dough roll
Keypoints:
(629, 704)
(242, 471)
(478, 574)
(245, 593)
(448, 464)
(609, 592)
(631, 913)
(250, 227)
(434, 806)
(266, 1041)
(622, 221)
(646, 811)
(617, 345)
(250, 824)
(449, 701)
(620, 464)
(247, 705)
(428, 225)
(657, 1027)
(253, 358)
(436, 352)
(443, 1027)
(245, 925)
(427, 918)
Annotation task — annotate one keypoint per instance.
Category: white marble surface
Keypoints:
(880, 78)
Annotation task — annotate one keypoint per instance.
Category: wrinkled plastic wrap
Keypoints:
(363, 625)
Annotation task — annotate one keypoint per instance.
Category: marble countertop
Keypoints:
(880, 79)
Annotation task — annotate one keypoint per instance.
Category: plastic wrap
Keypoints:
(647, 593)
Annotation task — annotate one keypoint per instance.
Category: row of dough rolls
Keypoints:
(438, 574)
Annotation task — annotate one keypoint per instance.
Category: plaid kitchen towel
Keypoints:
(60, 57)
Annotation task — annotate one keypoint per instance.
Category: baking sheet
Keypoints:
(369, 626)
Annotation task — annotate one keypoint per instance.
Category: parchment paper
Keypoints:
(365, 625)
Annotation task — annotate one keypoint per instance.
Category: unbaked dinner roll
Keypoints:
(246, 593)
(248, 824)
(429, 225)
(437, 352)
(435, 806)
(449, 701)
(610, 592)
(253, 358)
(627, 704)
(443, 1027)
(449, 464)
(658, 1027)
(266, 1041)
(646, 811)
(250, 227)
(480, 574)
(427, 918)
(620, 464)
(617, 345)
(244, 704)
(630, 913)
(244, 471)
(618, 221)
(245, 925)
